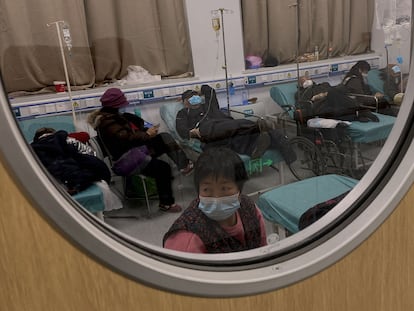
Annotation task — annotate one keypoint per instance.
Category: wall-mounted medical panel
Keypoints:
(38, 105)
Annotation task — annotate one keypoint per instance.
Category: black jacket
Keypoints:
(217, 128)
(76, 171)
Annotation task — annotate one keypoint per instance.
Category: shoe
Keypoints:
(173, 208)
(188, 169)
(262, 144)
(362, 119)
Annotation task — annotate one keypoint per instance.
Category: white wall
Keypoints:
(208, 54)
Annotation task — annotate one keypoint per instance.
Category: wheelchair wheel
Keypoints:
(309, 161)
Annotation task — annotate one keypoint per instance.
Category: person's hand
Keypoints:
(153, 131)
(379, 95)
(195, 132)
(319, 96)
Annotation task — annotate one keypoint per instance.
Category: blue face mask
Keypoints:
(219, 209)
(195, 100)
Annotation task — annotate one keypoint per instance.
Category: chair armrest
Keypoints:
(244, 113)
(288, 107)
(306, 108)
(372, 97)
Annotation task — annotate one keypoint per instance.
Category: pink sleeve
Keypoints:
(263, 237)
(185, 241)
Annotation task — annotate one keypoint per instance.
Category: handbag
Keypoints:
(132, 162)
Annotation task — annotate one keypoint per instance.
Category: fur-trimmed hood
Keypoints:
(94, 118)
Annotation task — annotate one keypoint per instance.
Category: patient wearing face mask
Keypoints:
(309, 90)
(331, 102)
(356, 82)
(220, 219)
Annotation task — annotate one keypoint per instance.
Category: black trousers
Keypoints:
(161, 172)
(164, 143)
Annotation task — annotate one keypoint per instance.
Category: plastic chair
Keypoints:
(102, 153)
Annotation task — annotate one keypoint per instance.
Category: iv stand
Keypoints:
(225, 61)
(387, 64)
(221, 10)
(64, 67)
(297, 6)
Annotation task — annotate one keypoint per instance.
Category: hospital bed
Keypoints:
(318, 152)
(92, 198)
(284, 206)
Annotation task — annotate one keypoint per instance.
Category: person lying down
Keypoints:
(201, 118)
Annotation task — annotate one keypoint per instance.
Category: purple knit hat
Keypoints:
(114, 98)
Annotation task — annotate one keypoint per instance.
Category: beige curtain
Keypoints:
(107, 37)
(148, 33)
(336, 27)
(29, 51)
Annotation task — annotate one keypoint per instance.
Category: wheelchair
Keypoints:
(322, 151)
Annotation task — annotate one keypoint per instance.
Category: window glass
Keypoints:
(322, 29)
(181, 181)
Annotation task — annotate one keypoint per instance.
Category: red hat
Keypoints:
(114, 98)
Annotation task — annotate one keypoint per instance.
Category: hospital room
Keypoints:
(194, 126)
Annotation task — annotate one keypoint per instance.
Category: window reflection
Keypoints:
(105, 43)
(312, 31)
(284, 151)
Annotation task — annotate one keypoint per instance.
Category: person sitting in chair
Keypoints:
(135, 149)
(355, 82)
(394, 83)
(202, 118)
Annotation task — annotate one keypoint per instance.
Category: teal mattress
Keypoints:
(91, 199)
(286, 204)
(60, 122)
(367, 132)
(360, 132)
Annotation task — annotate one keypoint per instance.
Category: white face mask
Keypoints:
(396, 69)
(307, 83)
(219, 209)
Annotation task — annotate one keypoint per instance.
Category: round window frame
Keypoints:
(223, 275)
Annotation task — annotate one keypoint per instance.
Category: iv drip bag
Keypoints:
(66, 35)
(215, 22)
